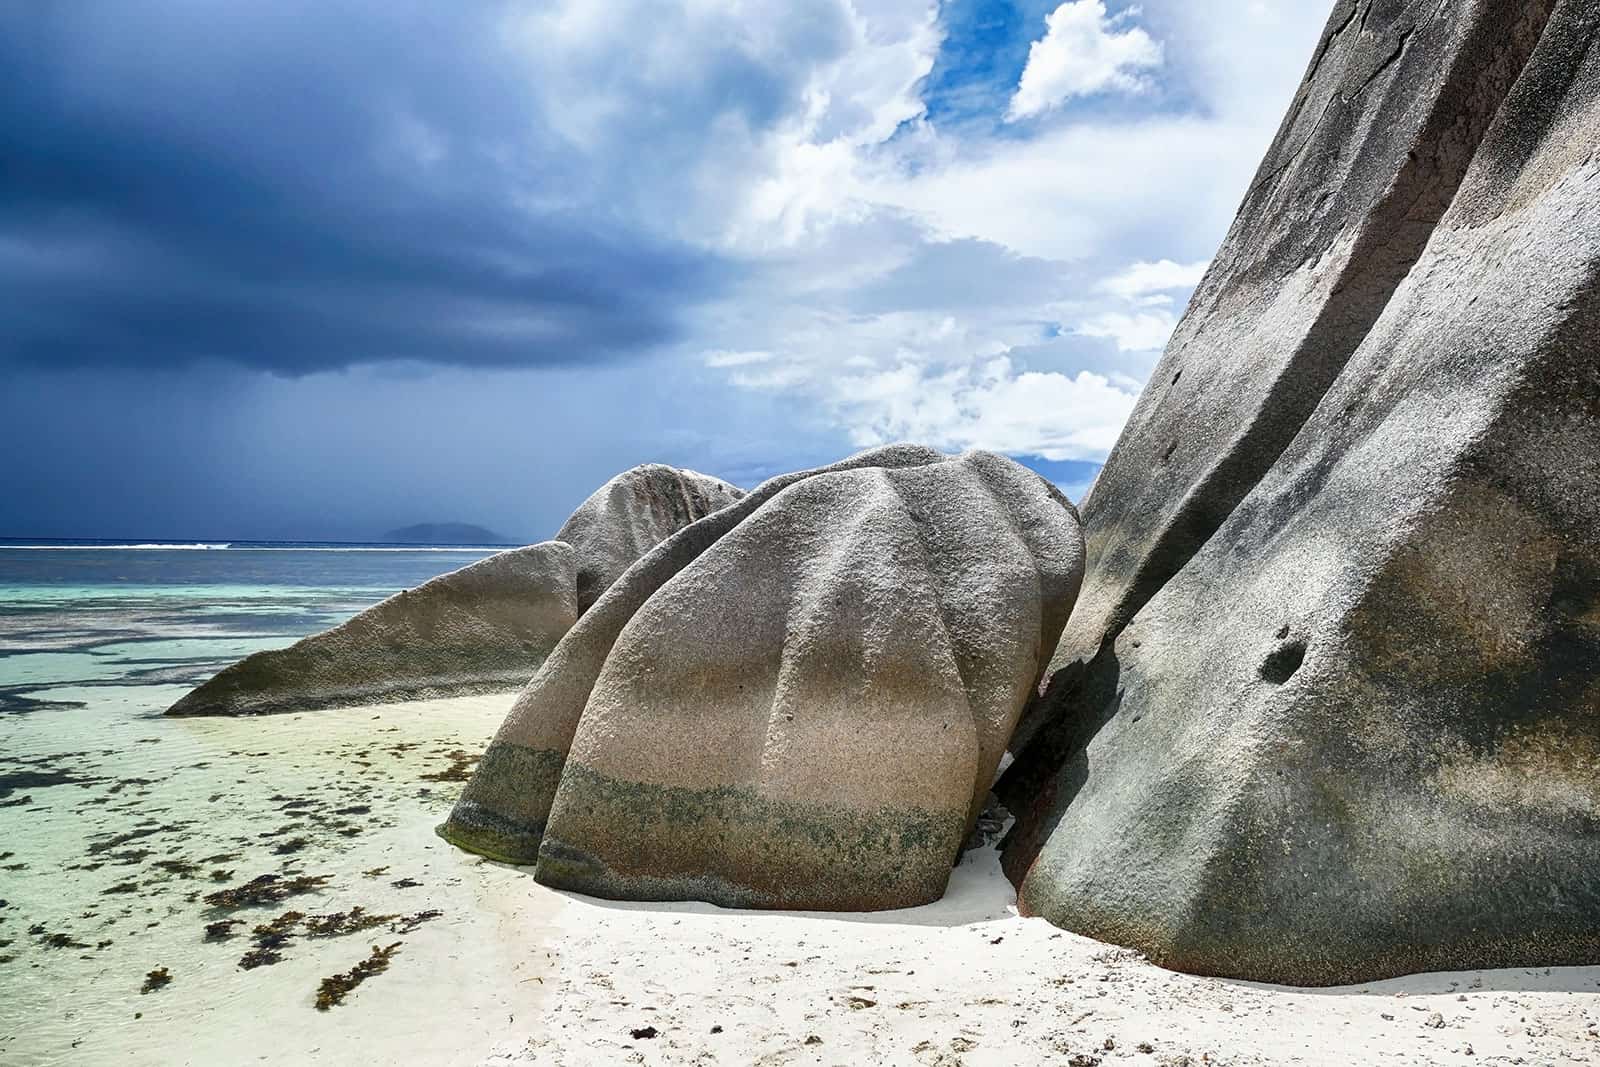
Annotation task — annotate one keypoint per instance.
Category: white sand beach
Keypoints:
(118, 859)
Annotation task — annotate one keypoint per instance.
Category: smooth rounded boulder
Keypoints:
(631, 514)
(482, 629)
(797, 703)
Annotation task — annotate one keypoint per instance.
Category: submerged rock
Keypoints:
(481, 629)
(798, 702)
(1331, 709)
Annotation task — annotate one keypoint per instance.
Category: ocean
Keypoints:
(81, 616)
(117, 824)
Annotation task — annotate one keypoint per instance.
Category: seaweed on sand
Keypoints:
(336, 987)
(345, 922)
(269, 938)
(460, 769)
(358, 918)
(406, 924)
(265, 889)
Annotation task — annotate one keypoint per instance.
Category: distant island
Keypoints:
(445, 533)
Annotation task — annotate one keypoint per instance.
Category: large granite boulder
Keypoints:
(1374, 145)
(798, 702)
(1356, 731)
(484, 628)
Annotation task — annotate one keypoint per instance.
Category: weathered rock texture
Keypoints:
(1396, 100)
(482, 629)
(633, 513)
(1355, 731)
(797, 702)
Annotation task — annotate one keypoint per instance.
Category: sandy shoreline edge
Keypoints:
(511, 972)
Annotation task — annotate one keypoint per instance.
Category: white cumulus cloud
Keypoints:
(736, 359)
(1138, 331)
(890, 272)
(1148, 317)
(988, 405)
(1084, 51)
(1143, 279)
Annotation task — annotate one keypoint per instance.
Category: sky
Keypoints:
(316, 269)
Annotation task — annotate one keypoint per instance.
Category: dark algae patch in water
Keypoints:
(106, 844)
(16, 781)
(270, 940)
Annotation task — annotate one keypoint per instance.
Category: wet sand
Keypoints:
(120, 825)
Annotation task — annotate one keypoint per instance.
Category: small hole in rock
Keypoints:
(1176, 376)
(1281, 664)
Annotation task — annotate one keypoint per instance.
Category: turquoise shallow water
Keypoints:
(116, 822)
(86, 616)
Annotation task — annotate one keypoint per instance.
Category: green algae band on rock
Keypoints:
(1357, 732)
(799, 702)
(484, 628)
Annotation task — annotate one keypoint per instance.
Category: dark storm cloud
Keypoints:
(302, 187)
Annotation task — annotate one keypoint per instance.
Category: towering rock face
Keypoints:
(482, 629)
(797, 702)
(1384, 126)
(1355, 731)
